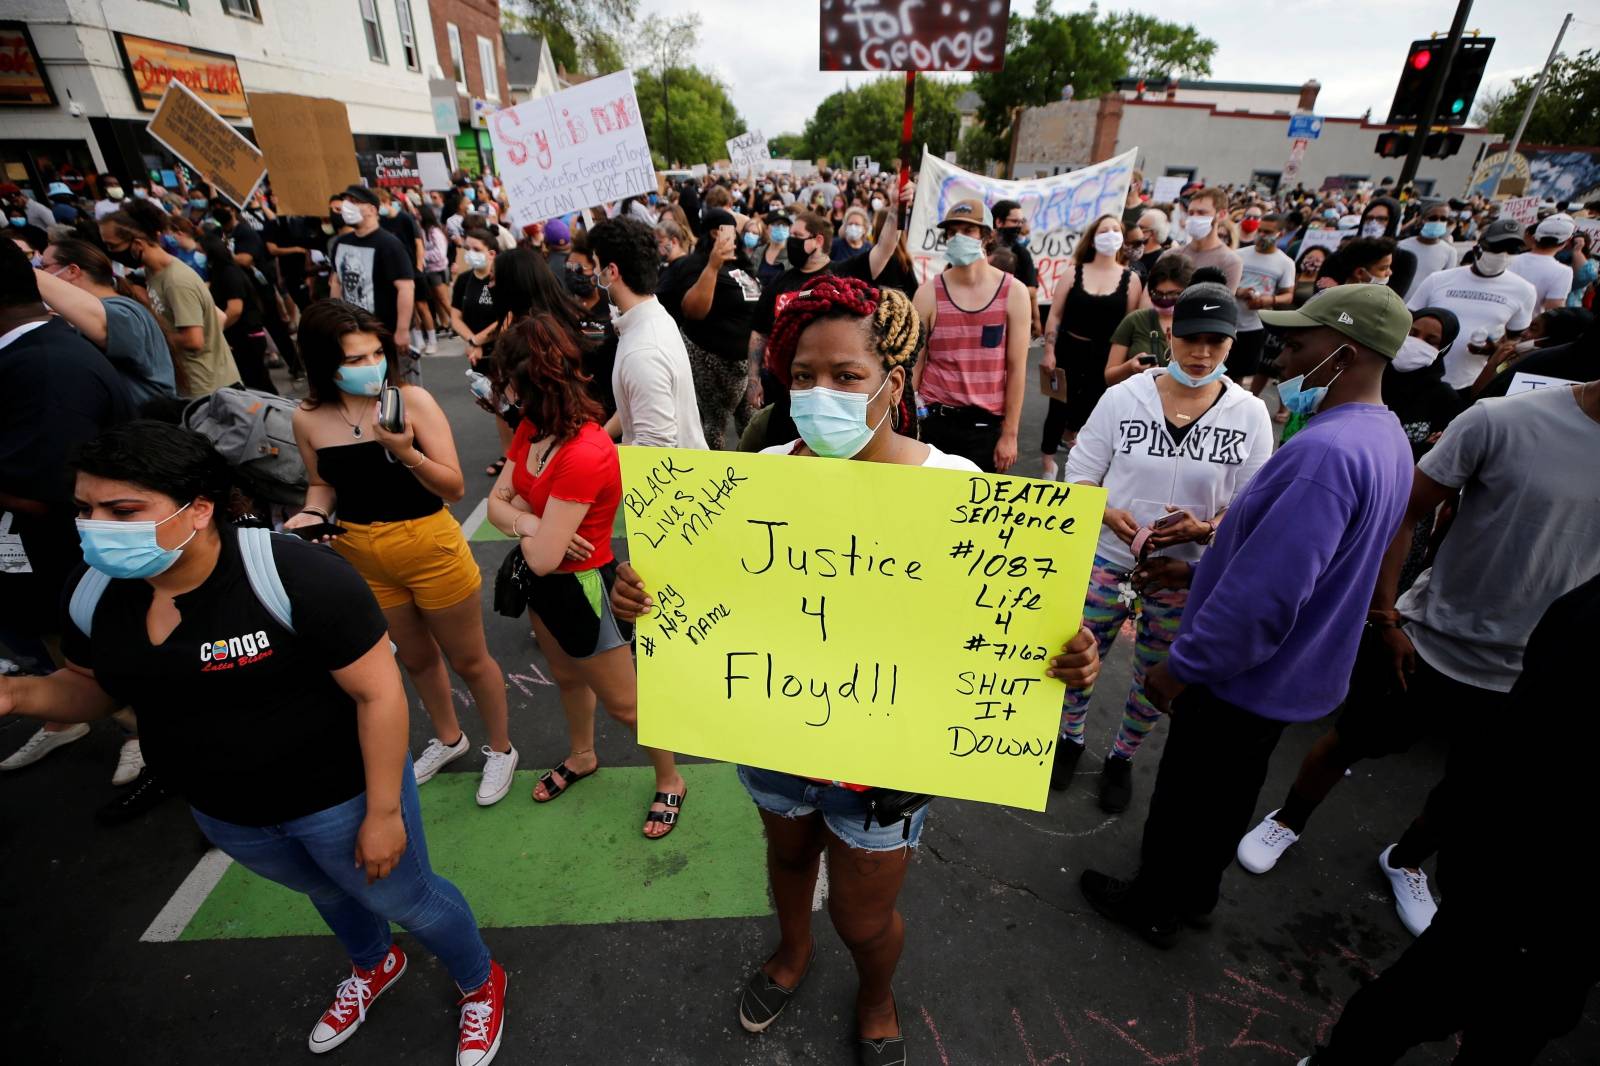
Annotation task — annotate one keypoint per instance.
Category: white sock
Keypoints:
(433, 336)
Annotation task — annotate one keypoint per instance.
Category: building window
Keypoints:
(181, 5)
(457, 59)
(245, 9)
(408, 34)
(486, 67)
(374, 29)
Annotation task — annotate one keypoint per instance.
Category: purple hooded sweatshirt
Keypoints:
(1277, 604)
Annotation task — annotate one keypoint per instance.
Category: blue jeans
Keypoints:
(844, 811)
(316, 855)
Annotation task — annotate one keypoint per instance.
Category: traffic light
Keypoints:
(1460, 86)
(1441, 145)
(1394, 145)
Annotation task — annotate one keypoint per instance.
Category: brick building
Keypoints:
(470, 53)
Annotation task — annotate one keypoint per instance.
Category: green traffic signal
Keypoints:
(1457, 107)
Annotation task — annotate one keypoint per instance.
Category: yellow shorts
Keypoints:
(421, 560)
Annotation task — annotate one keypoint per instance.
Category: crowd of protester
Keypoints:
(1314, 413)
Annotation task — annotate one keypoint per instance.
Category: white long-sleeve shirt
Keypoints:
(653, 383)
(1126, 447)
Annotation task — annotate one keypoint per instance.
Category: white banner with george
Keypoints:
(581, 147)
(1058, 209)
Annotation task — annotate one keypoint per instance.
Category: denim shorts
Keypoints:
(843, 811)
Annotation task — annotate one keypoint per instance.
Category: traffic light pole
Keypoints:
(1435, 94)
(1527, 112)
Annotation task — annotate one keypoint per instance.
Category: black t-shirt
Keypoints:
(404, 229)
(894, 275)
(1026, 271)
(247, 240)
(230, 282)
(725, 331)
(293, 231)
(237, 714)
(779, 292)
(368, 269)
(474, 296)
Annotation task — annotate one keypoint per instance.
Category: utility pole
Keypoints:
(1527, 112)
(1435, 93)
(666, 110)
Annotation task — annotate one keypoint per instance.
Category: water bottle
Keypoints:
(480, 386)
(1479, 342)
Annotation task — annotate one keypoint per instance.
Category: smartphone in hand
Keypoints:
(317, 532)
(391, 410)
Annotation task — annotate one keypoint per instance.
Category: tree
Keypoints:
(582, 36)
(866, 120)
(663, 45)
(1568, 111)
(787, 145)
(978, 146)
(703, 117)
(1048, 51)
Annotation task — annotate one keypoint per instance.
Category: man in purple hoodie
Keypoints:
(1276, 608)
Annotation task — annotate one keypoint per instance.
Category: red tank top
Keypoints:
(967, 353)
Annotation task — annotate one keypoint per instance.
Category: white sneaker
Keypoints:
(497, 770)
(432, 346)
(436, 757)
(417, 340)
(129, 762)
(43, 743)
(1262, 847)
(1412, 899)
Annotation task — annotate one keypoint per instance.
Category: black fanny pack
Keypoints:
(510, 595)
(885, 806)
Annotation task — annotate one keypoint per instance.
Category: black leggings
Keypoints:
(250, 354)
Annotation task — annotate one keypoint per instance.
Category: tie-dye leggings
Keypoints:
(1155, 626)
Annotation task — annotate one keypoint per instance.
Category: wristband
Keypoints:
(413, 466)
(319, 512)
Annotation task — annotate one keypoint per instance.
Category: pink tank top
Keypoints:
(967, 353)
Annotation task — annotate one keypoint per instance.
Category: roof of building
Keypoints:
(1156, 83)
(524, 52)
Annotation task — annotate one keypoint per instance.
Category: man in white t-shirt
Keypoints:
(1431, 246)
(1266, 282)
(1485, 296)
(1552, 279)
(651, 377)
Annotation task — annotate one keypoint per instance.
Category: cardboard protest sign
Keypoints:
(310, 152)
(1522, 381)
(434, 170)
(748, 152)
(224, 157)
(1058, 208)
(771, 644)
(1167, 189)
(390, 170)
(1523, 209)
(1323, 238)
(860, 162)
(783, 166)
(577, 148)
(898, 35)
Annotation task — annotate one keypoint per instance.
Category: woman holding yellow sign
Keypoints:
(845, 350)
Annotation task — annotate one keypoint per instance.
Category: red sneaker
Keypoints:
(356, 993)
(483, 1013)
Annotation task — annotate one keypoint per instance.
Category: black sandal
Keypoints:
(763, 999)
(668, 817)
(568, 778)
(494, 468)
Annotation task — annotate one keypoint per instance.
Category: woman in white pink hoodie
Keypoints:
(1173, 446)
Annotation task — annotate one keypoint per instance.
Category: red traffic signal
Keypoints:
(1394, 145)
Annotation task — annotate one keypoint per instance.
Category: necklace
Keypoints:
(355, 427)
(543, 459)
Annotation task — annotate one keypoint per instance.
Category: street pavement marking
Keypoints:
(580, 860)
(181, 908)
(477, 518)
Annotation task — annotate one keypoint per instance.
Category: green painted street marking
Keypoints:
(579, 860)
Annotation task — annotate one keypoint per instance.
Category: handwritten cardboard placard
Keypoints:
(1059, 208)
(748, 153)
(913, 35)
(1523, 209)
(1324, 238)
(581, 147)
(1167, 189)
(189, 129)
(884, 625)
(311, 153)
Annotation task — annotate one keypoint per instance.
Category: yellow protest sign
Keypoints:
(883, 625)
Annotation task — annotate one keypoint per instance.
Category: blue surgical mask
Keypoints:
(367, 380)
(19, 221)
(1434, 230)
(1303, 401)
(199, 259)
(470, 194)
(198, 205)
(751, 239)
(832, 423)
(1177, 374)
(1331, 215)
(962, 250)
(128, 549)
(780, 234)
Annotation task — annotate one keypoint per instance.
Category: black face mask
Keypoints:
(127, 257)
(580, 284)
(796, 247)
(1009, 234)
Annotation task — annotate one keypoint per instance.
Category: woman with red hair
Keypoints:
(558, 495)
(845, 350)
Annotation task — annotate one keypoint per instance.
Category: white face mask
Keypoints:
(852, 232)
(1199, 226)
(1373, 229)
(877, 204)
(1414, 354)
(350, 213)
(1108, 243)
(1493, 264)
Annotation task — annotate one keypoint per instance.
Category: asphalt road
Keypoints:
(625, 952)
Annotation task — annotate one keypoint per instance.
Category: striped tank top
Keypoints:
(967, 353)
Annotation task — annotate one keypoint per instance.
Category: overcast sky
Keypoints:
(1355, 48)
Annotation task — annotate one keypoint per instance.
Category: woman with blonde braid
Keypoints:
(845, 351)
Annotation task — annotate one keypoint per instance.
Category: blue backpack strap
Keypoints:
(85, 598)
(255, 547)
